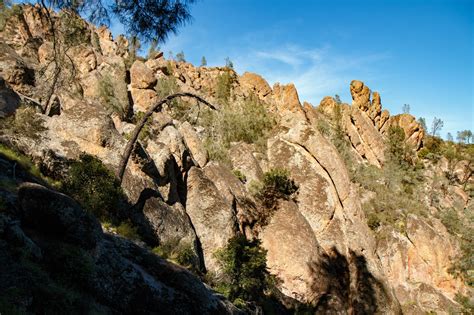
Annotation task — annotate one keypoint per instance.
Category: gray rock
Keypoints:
(57, 214)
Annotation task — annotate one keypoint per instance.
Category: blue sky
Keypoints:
(412, 52)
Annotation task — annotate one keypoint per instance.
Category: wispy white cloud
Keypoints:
(316, 72)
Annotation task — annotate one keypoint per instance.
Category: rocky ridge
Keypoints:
(318, 244)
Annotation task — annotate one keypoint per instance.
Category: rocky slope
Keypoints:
(318, 243)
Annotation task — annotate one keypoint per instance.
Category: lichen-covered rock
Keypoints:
(243, 160)
(194, 144)
(416, 264)
(291, 247)
(141, 76)
(212, 217)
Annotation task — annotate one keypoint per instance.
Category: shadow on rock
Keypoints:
(344, 285)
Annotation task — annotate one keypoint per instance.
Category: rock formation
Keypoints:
(318, 242)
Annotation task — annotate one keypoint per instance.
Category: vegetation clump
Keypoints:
(108, 96)
(240, 176)
(461, 226)
(25, 122)
(182, 255)
(245, 275)
(247, 121)
(93, 186)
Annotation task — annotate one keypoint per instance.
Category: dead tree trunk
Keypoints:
(156, 108)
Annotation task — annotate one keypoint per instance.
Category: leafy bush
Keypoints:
(462, 228)
(246, 121)
(182, 255)
(93, 186)
(146, 131)
(177, 108)
(276, 184)
(127, 230)
(244, 266)
(6, 12)
(26, 163)
(224, 86)
(26, 122)
(395, 195)
(73, 28)
(467, 306)
(107, 95)
(241, 176)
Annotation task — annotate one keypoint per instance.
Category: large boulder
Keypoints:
(212, 217)
(360, 95)
(417, 264)
(141, 76)
(291, 247)
(58, 215)
(194, 144)
(254, 83)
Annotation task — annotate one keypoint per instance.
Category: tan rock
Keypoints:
(317, 199)
(291, 247)
(414, 133)
(212, 218)
(255, 84)
(360, 95)
(327, 106)
(369, 134)
(242, 158)
(84, 59)
(143, 99)
(375, 109)
(417, 264)
(141, 76)
(194, 144)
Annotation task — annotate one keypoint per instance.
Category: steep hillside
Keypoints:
(278, 206)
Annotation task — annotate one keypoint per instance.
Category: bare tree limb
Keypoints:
(156, 108)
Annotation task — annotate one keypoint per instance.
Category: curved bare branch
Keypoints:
(156, 108)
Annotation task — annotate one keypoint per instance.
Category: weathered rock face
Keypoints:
(291, 246)
(194, 144)
(417, 265)
(141, 76)
(318, 241)
(366, 124)
(57, 214)
(49, 223)
(209, 213)
(9, 100)
(360, 95)
(254, 83)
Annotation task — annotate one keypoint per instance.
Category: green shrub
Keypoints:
(246, 121)
(182, 255)
(73, 28)
(146, 131)
(107, 95)
(462, 227)
(26, 122)
(93, 186)
(245, 274)
(224, 86)
(178, 108)
(241, 176)
(467, 306)
(26, 163)
(127, 230)
(6, 12)
(276, 184)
